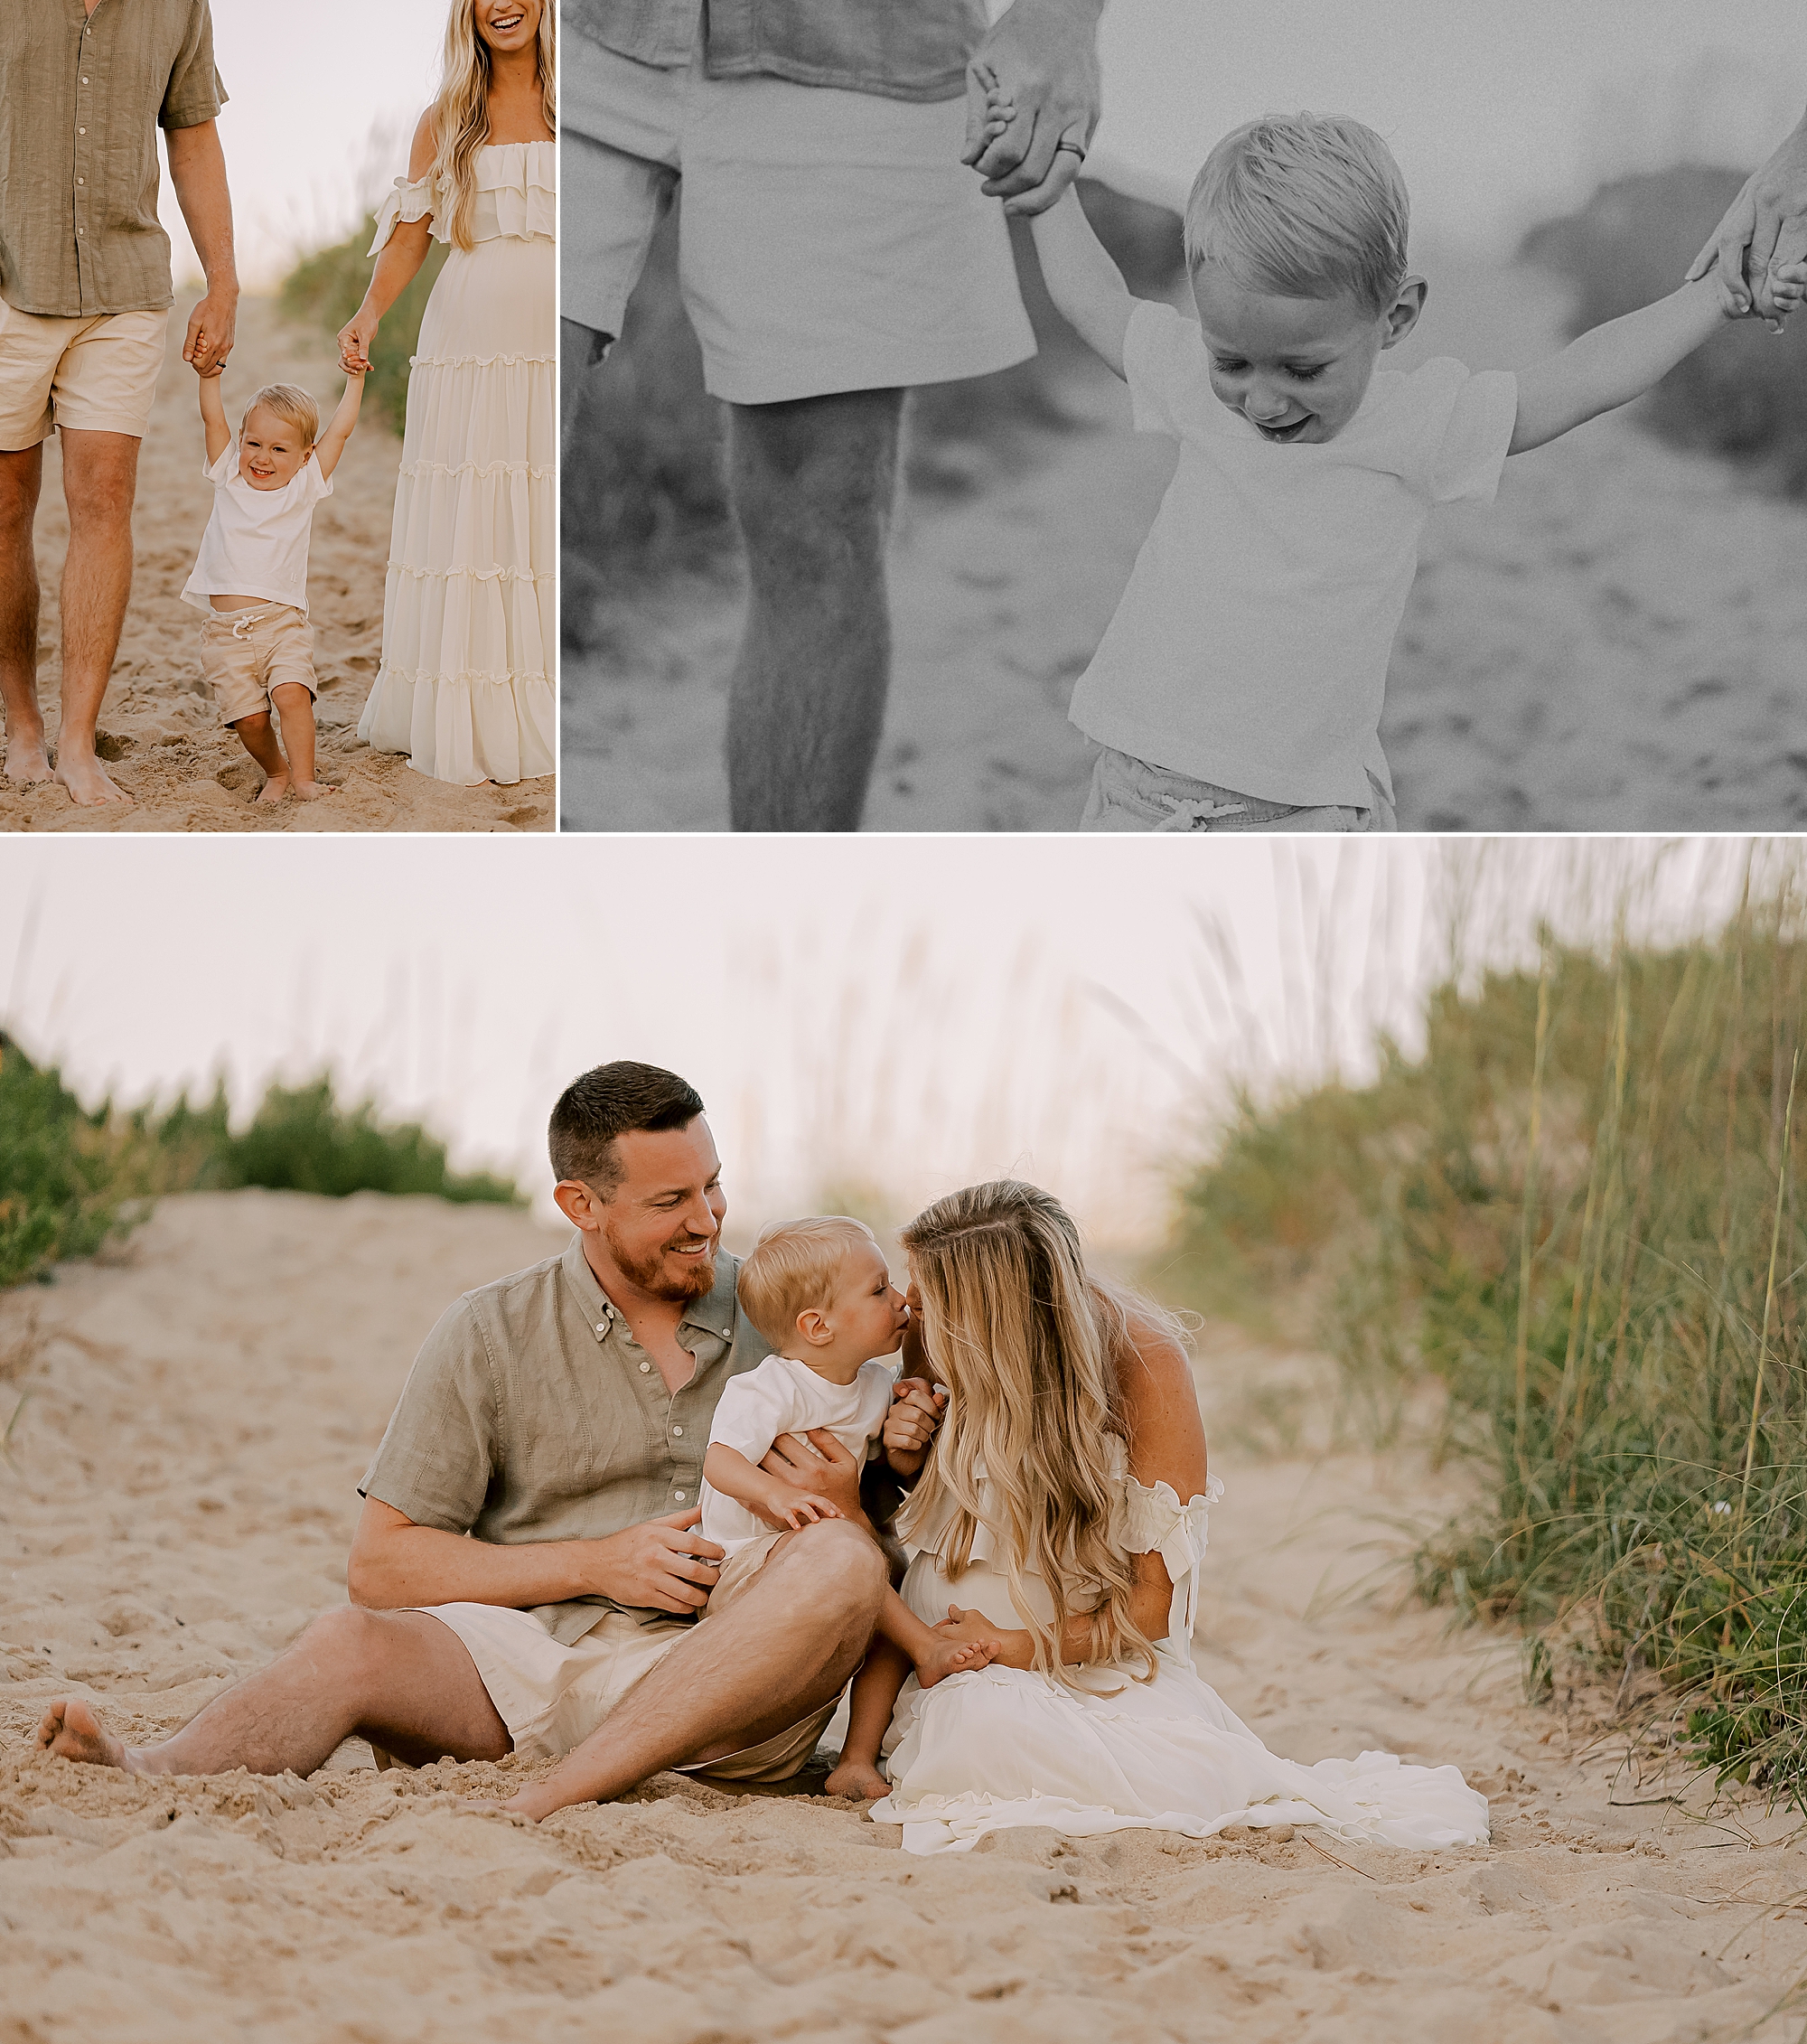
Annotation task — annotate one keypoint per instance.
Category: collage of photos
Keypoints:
(999, 1437)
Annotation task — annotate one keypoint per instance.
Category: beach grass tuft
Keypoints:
(325, 288)
(1577, 1213)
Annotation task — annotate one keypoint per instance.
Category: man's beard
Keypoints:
(651, 1276)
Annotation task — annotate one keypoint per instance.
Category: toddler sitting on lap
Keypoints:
(1239, 684)
(820, 1292)
(257, 646)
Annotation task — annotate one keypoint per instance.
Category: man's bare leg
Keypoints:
(22, 474)
(99, 479)
(812, 485)
(782, 1650)
(400, 1678)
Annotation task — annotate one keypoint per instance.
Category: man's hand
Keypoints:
(212, 326)
(1042, 58)
(662, 1565)
(1764, 226)
(817, 1464)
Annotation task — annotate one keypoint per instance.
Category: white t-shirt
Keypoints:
(1252, 644)
(256, 542)
(784, 1397)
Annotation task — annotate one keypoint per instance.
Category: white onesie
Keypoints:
(784, 1397)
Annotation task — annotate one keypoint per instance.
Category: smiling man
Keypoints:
(528, 1565)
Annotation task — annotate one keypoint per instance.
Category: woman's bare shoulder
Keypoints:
(1160, 1404)
(423, 149)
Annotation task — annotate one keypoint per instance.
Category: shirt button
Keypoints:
(602, 1325)
(81, 131)
(678, 1495)
(676, 1429)
(644, 1368)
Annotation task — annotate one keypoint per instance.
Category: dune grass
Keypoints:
(325, 288)
(70, 1178)
(1578, 1213)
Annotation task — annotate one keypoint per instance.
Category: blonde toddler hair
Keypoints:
(291, 403)
(1028, 1345)
(1303, 206)
(795, 1266)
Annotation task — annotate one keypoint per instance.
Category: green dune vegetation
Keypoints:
(325, 288)
(72, 1177)
(1576, 1219)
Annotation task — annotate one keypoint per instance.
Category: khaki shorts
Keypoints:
(98, 375)
(1130, 794)
(828, 241)
(551, 1697)
(246, 654)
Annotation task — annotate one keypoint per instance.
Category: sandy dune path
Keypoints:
(1619, 643)
(177, 1502)
(161, 731)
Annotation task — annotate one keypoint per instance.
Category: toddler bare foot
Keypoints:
(273, 789)
(311, 791)
(71, 1729)
(857, 1778)
(958, 1657)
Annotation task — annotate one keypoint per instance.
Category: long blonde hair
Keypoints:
(460, 114)
(1028, 1345)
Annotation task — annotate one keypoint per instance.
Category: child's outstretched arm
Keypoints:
(1087, 287)
(331, 444)
(213, 414)
(1614, 363)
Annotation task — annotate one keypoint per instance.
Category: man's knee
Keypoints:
(347, 1644)
(818, 474)
(838, 1564)
(100, 479)
(21, 475)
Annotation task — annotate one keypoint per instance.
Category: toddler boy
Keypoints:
(819, 1290)
(1239, 684)
(257, 646)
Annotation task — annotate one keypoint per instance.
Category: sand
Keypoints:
(1617, 645)
(176, 1501)
(160, 728)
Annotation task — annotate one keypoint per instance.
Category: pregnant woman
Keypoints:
(1061, 1518)
(469, 612)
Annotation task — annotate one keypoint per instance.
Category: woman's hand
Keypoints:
(1009, 1649)
(916, 1413)
(1766, 225)
(356, 339)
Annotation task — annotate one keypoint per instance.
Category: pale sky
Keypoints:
(1499, 115)
(912, 1022)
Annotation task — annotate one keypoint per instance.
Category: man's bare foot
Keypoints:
(27, 761)
(958, 1657)
(532, 1802)
(857, 1778)
(70, 1727)
(273, 789)
(88, 781)
(311, 791)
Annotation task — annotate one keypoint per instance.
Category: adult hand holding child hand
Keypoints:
(356, 339)
(1763, 235)
(1040, 57)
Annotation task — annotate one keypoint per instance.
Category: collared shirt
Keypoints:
(81, 98)
(531, 1413)
(894, 48)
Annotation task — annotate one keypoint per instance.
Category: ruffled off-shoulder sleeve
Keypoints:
(1156, 1523)
(406, 202)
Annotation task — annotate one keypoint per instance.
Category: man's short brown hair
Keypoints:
(613, 1101)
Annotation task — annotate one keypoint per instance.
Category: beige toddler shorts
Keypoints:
(246, 654)
(98, 375)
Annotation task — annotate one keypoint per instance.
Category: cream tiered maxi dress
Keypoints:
(469, 608)
(1003, 1747)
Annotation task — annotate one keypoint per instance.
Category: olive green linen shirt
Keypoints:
(81, 98)
(531, 1413)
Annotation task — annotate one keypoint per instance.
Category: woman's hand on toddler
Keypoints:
(973, 1628)
(954, 1657)
(356, 339)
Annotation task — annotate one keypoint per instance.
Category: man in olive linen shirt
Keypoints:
(85, 291)
(559, 1418)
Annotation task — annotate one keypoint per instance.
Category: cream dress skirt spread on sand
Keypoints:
(1003, 1747)
(469, 623)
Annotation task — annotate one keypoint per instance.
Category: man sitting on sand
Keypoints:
(559, 1418)
(85, 292)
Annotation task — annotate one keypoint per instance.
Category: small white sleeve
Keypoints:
(1470, 453)
(406, 202)
(1156, 1523)
(1163, 361)
(753, 1410)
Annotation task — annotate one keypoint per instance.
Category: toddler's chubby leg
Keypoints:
(885, 1670)
(257, 736)
(295, 706)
